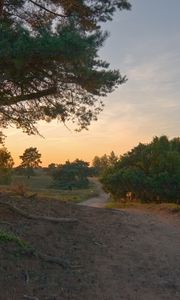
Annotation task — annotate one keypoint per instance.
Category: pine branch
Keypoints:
(31, 96)
(48, 10)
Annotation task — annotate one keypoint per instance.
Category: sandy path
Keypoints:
(101, 200)
(143, 260)
(142, 254)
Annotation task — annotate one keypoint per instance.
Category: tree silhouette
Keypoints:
(30, 160)
(49, 61)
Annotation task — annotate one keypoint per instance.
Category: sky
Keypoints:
(144, 44)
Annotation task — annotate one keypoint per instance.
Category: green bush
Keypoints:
(72, 175)
(151, 172)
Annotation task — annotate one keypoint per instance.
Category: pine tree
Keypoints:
(31, 159)
(49, 61)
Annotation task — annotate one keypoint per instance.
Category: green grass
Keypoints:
(64, 195)
(43, 186)
(34, 182)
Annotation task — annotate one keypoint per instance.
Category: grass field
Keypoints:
(43, 186)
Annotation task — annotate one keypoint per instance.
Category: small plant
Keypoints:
(6, 236)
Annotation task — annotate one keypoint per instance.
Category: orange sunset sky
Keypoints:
(144, 44)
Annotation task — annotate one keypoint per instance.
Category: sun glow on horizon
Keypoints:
(147, 105)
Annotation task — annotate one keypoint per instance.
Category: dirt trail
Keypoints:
(120, 255)
(144, 255)
(101, 200)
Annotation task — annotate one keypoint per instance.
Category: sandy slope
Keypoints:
(118, 255)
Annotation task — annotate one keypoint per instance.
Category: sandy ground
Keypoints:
(159, 237)
(101, 200)
(117, 255)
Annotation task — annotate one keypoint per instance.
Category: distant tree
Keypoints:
(96, 163)
(150, 171)
(30, 160)
(101, 164)
(6, 165)
(112, 159)
(72, 174)
(49, 61)
(51, 168)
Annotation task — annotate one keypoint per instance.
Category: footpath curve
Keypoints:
(99, 201)
(139, 252)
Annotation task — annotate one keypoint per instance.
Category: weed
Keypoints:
(6, 236)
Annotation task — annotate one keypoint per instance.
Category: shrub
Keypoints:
(150, 171)
(72, 175)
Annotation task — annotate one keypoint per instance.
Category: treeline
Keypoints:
(30, 160)
(149, 172)
(69, 175)
(75, 174)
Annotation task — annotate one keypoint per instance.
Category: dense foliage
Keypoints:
(72, 174)
(49, 61)
(102, 163)
(151, 172)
